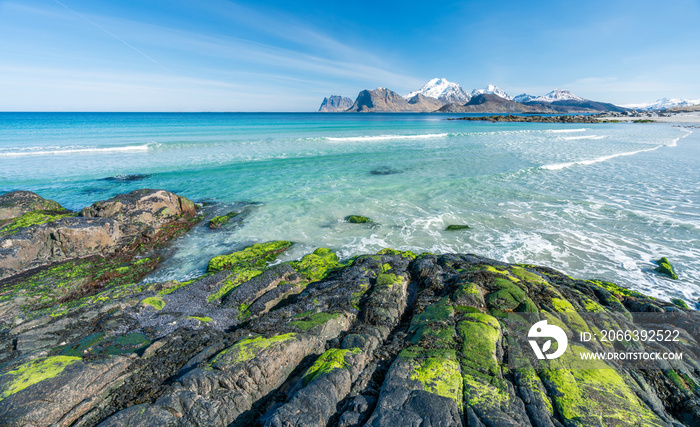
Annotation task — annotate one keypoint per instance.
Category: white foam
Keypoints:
(565, 130)
(569, 138)
(675, 141)
(385, 137)
(82, 150)
(558, 166)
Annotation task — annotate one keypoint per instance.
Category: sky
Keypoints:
(219, 55)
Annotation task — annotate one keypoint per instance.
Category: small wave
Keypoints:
(568, 138)
(675, 141)
(82, 150)
(564, 130)
(558, 166)
(385, 137)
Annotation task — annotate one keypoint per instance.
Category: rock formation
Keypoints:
(335, 104)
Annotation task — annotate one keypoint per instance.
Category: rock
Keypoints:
(666, 268)
(218, 221)
(385, 170)
(17, 203)
(357, 219)
(101, 229)
(127, 178)
(335, 104)
(456, 227)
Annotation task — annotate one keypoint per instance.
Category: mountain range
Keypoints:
(441, 95)
(664, 104)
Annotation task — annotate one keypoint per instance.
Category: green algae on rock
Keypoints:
(254, 257)
(456, 227)
(666, 268)
(357, 219)
(33, 372)
(330, 360)
(317, 265)
(218, 221)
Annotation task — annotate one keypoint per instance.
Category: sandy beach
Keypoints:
(687, 118)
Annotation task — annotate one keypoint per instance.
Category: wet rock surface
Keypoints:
(382, 340)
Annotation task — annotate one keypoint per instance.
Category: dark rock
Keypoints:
(127, 178)
(385, 170)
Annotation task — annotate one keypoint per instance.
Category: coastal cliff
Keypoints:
(384, 339)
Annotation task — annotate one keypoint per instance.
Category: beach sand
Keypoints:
(687, 118)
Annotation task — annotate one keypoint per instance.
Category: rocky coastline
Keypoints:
(386, 339)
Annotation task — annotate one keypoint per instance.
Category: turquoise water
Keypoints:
(594, 201)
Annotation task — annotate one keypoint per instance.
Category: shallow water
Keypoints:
(594, 201)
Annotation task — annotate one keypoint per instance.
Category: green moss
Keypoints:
(568, 313)
(595, 395)
(329, 361)
(247, 349)
(175, 287)
(389, 280)
(313, 320)
(201, 319)
(357, 219)
(33, 218)
(680, 303)
(507, 297)
(592, 306)
(528, 276)
(466, 309)
(317, 265)
(255, 257)
(156, 302)
(232, 282)
(243, 312)
(455, 227)
(666, 268)
(431, 327)
(616, 290)
(480, 334)
(406, 254)
(643, 121)
(440, 376)
(218, 221)
(33, 372)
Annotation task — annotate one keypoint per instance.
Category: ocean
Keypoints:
(594, 201)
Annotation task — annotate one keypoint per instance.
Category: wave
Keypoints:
(558, 166)
(565, 130)
(569, 138)
(385, 137)
(675, 141)
(81, 150)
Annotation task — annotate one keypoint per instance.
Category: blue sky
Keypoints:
(218, 55)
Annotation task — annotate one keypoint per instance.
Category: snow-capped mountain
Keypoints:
(524, 97)
(558, 95)
(492, 89)
(663, 104)
(443, 90)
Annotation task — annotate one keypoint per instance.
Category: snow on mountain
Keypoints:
(443, 90)
(663, 104)
(493, 89)
(524, 97)
(558, 95)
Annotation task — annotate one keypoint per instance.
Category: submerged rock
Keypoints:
(127, 178)
(385, 170)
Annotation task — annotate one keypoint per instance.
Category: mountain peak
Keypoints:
(442, 89)
(559, 95)
(493, 90)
